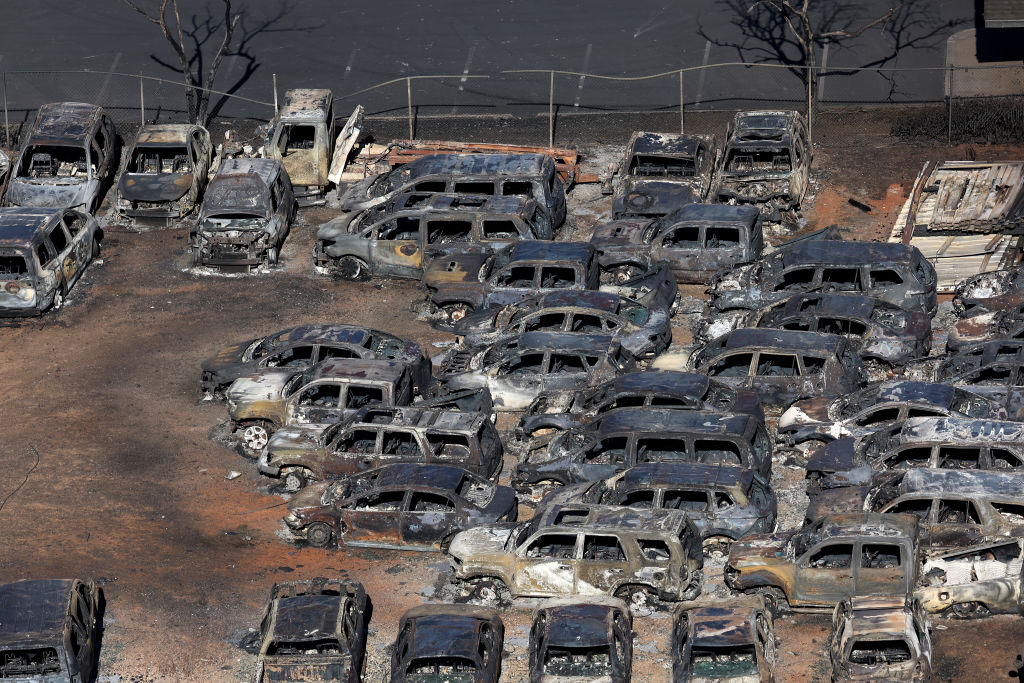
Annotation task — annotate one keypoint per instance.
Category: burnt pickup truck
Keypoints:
(460, 284)
(817, 566)
(662, 171)
(301, 137)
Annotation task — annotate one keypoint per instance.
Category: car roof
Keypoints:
(64, 122)
(302, 615)
(971, 483)
(765, 339)
(703, 422)
(578, 625)
(264, 169)
(542, 250)
(411, 416)
(454, 204)
(476, 165)
(19, 226)
(712, 213)
(666, 144)
(717, 626)
(34, 609)
(357, 368)
(757, 127)
(564, 341)
(446, 477)
(850, 305)
(811, 253)
(586, 298)
(961, 430)
(878, 616)
(164, 134)
(342, 334)
(673, 382)
(611, 517)
(305, 104)
(905, 391)
(685, 473)
(874, 524)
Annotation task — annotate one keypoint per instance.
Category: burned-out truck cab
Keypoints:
(301, 138)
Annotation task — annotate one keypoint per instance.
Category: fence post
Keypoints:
(949, 105)
(408, 95)
(551, 112)
(7, 125)
(142, 102)
(682, 121)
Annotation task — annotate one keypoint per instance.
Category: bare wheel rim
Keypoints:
(350, 268)
(717, 546)
(255, 437)
(319, 534)
(294, 480)
(456, 312)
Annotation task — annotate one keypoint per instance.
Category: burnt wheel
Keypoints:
(969, 610)
(95, 248)
(717, 547)
(352, 268)
(197, 256)
(319, 535)
(453, 313)
(273, 255)
(296, 478)
(774, 600)
(255, 436)
(635, 596)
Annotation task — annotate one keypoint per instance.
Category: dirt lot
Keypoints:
(112, 472)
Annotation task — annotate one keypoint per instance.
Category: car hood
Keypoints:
(47, 195)
(263, 386)
(309, 497)
(619, 233)
(311, 669)
(226, 357)
(755, 549)
(145, 187)
(835, 456)
(836, 501)
(483, 540)
(653, 197)
(810, 411)
(296, 437)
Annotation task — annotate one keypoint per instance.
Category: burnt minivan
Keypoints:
(697, 240)
(522, 175)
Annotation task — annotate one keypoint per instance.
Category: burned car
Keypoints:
(662, 171)
(644, 331)
(662, 389)
(724, 642)
(43, 253)
(301, 137)
(405, 506)
(377, 436)
(766, 160)
(448, 643)
(246, 215)
(265, 401)
(584, 550)
(724, 502)
(955, 507)
(519, 369)
(70, 156)
(627, 437)
(948, 442)
(50, 630)
(889, 271)
(460, 284)
(401, 239)
(782, 366)
(968, 583)
(581, 641)
(880, 405)
(880, 638)
(817, 566)
(165, 172)
(989, 292)
(698, 241)
(306, 345)
(1004, 324)
(532, 176)
(885, 334)
(313, 631)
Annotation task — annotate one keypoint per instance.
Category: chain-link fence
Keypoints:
(850, 106)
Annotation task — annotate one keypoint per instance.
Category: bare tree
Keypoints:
(197, 90)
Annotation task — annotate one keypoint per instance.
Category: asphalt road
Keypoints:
(355, 45)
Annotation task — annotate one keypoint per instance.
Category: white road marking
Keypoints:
(351, 60)
(586, 62)
(821, 79)
(703, 72)
(106, 81)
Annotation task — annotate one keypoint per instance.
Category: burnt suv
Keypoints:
(662, 171)
(585, 550)
(576, 640)
(448, 643)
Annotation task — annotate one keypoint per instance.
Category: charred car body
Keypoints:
(730, 642)
(1007, 323)
(662, 171)
(400, 239)
(882, 332)
(891, 272)
(627, 437)
(954, 443)
(697, 240)
(404, 506)
(724, 502)
(880, 638)
(817, 566)
(782, 366)
(977, 581)
(165, 172)
(300, 138)
(642, 330)
(766, 160)
(43, 253)
(518, 370)
(989, 292)
(531, 176)
(585, 550)
(313, 631)
(377, 436)
(68, 159)
(246, 215)
(581, 641)
(307, 345)
(880, 405)
(50, 630)
(448, 642)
